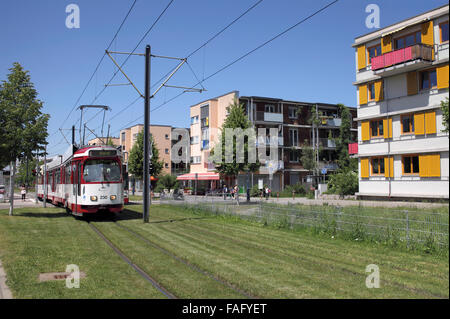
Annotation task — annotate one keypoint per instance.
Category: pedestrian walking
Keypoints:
(236, 193)
(225, 191)
(23, 192)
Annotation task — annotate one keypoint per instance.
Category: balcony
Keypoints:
(352, 148)
(205, 144)
(325, 142)
(269, 117)
(266, 141)
(402, 60)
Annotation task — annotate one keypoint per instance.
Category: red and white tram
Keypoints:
(85, 180)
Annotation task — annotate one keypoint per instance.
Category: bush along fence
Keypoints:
(412, 229)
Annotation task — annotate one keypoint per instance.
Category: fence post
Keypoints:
(407, 229)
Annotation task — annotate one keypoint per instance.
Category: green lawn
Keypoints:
(261, 261)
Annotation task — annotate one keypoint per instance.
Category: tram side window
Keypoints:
(67, 177)
(74, 176)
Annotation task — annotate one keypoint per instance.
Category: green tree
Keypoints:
(308, 158)
(345, 137)
(23, 125)
(109, 142)
(345, 180)
(136, 159)
(445, 115)
(166, 181)
(236, 119)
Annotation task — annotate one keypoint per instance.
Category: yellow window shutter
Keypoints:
(364, 168)
(378, 91)
(427, 33)
(387, 128)
(442, 77)
(411, 81)
(365, 133)
(423, 165)
(386, 44)
(389, 167)
(434, 162)
(419, 123)
(430, 122)
(361, 57)
(363, 94)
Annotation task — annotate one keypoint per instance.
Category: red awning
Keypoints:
(200, 177)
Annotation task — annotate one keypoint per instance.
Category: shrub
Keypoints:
(343, 183)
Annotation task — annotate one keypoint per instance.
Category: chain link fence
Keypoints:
(411, 227)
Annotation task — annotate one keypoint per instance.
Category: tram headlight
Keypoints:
(113, 197)
(94, 198)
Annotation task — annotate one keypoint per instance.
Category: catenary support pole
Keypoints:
(44, 201)
(146, 135)
(37, 177)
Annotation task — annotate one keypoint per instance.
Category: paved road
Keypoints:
(5, 293)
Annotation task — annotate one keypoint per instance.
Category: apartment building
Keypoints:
(162, 136)
(295, 131)
(402, 75)
(102, 140)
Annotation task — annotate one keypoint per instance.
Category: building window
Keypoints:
(377, 164)
(166, 165)
(123, 137)
(376, 128)
(371, 88)
(269, 108)
(293, 137)
(194, 120)
(407, 122)
(410, 165)
(292, 112)
(166, 151)
(135, 136)
(407, 40)
(428, 79)
(167, 136)
(293, 156)
(443, 27)
(373, 52)
(195, 159)
(194, 139)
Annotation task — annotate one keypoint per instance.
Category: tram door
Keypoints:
(75, 183)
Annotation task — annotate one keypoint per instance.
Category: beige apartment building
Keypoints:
(161, 135)
(294, 133)
(102, 140)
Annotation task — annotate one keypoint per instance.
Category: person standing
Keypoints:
(23, 192)
(236, 193)
(225, 191)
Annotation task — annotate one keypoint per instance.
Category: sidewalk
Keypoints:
(30, 201)
(5, 293)
(320, 202)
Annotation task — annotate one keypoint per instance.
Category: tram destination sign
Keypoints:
(100, 153)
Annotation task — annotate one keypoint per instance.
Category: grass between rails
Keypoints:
(283, 264)
(260, 260)
(38, 240)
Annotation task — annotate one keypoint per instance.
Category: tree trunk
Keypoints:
(12, 173)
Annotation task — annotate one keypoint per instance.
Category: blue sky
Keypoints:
(313, 62)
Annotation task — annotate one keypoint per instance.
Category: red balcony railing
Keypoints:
(413, 52)
(353, 148)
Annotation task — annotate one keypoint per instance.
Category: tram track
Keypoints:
(187, 263)
(139, 270)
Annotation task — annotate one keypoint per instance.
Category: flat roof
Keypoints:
(215, 98)
(414, 20)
